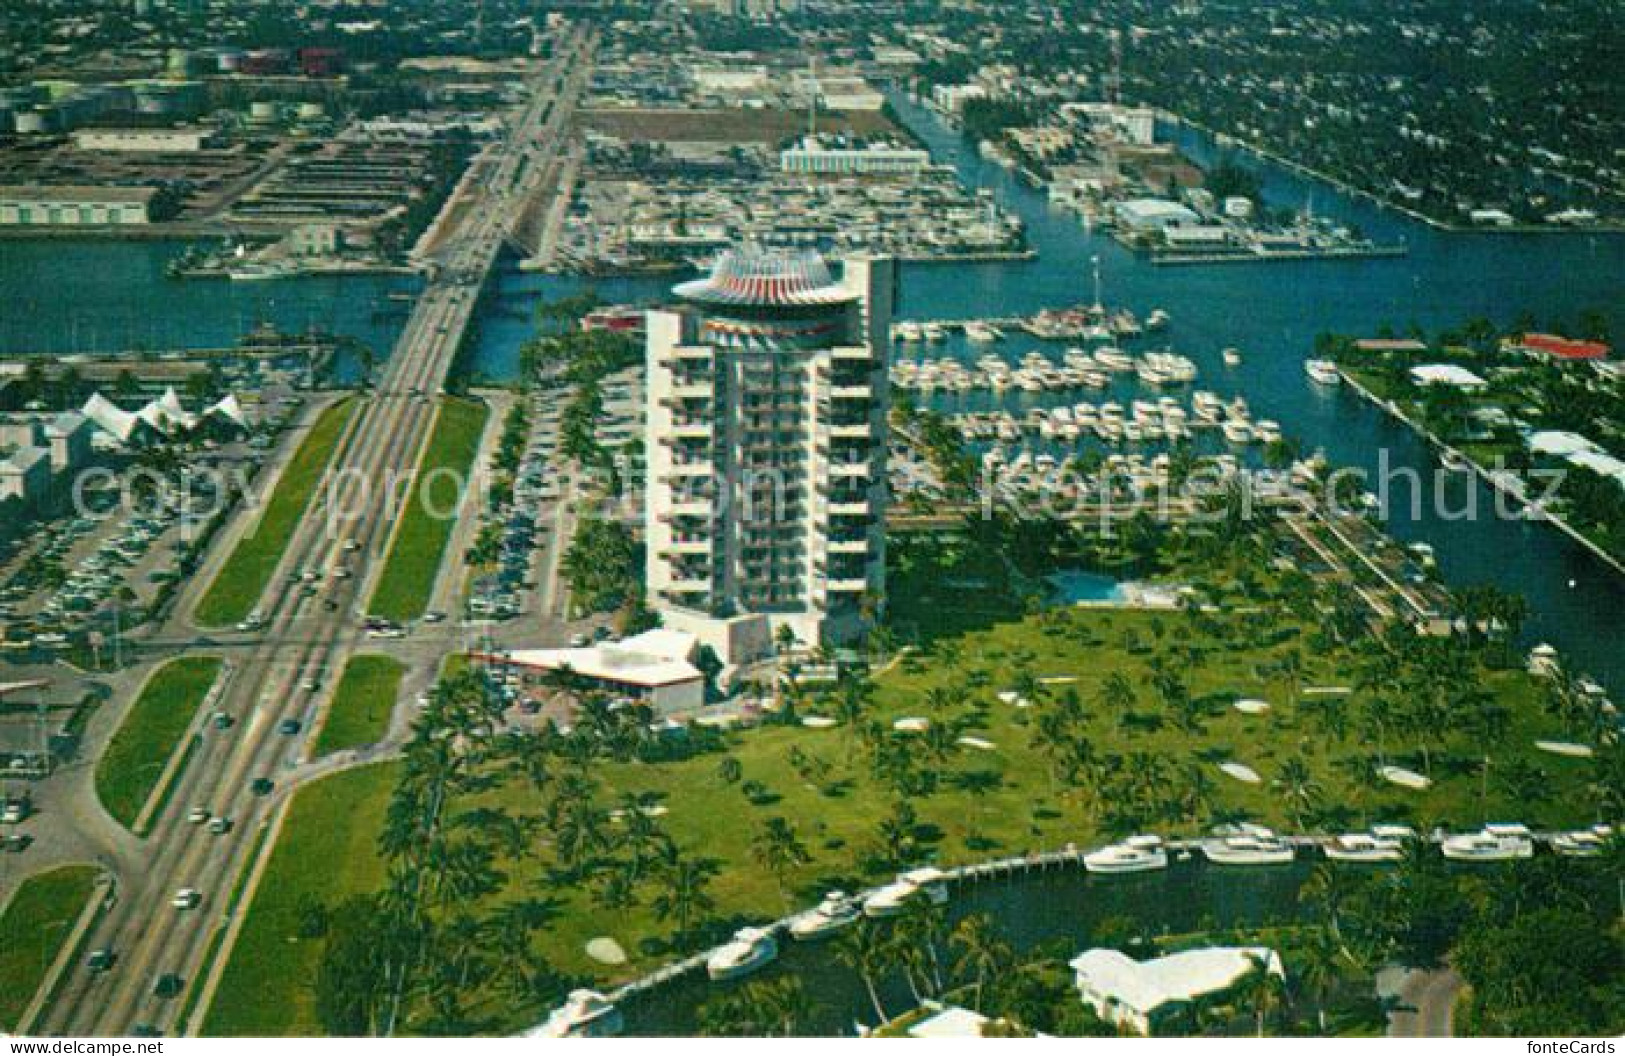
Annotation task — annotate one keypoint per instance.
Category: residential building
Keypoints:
(766, 451)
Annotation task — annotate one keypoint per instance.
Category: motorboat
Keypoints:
(1248, 845)
(908, 332)
(1137, 854)
(750, 949)
(1156, 320)
(1323, 372)
(934, 332)
(1364, 847)
(1114, 359)
(584, 1014)
(1237, 432)
(1232, 357)
(836, 911)
(927, 882)
(1494, 843)
(1581, 843)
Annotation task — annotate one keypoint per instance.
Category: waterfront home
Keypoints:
(1141, 995)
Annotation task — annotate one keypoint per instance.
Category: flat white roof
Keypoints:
(1447, 374)
(949, 1023)
(1145, 986)
(654, 658)
(1558, 442)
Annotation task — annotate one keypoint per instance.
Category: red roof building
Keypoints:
(1563, 347)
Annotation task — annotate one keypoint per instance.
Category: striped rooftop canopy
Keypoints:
(758, 277)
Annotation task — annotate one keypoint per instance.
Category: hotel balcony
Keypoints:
(688, 353)
(851, 392)
(849, 470)
(681, 548)
(846, 431)
(848, 546)
(847, 507)
(846, 586)
(698, 429)
(687, 471)
(852, 352)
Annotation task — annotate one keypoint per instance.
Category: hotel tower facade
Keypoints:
(766, 451)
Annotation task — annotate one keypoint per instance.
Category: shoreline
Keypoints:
(1345, 187)
(1492, 480)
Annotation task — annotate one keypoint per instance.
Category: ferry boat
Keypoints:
(1232, 357)
(1495, 843)
(750, 949)
(836, 911)
(1137, 854)
(894, 897)
(1322, 372)
(584, 1014)
(1248, 845)
(1364, 847)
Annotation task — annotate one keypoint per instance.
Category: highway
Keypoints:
(310, 612)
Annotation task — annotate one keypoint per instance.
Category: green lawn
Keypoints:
(326, 853)
(1009, 799)
(420, 541)
(136, 756)
(362, 704)
(35, 924)
(243, 578)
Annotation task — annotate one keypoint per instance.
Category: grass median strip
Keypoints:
(135, 758)
(243, 578)
(35, 924)
(362, 704)
(268, 985)
(429, 517)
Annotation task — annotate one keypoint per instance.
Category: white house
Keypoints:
(1138, 994)
(1448, 374)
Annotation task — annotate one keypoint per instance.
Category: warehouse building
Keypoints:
(75, 206)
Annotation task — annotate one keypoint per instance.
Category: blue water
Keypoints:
(1085, 586)
(57, 296)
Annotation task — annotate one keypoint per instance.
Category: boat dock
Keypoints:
(1068, 857)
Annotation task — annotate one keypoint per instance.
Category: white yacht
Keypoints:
(894, 897)
(981, 333)
(585, 1014)
(1364, 847)
(1267, 430)
(1232, 357)
(1156, 320)
(836, 911)
(1495, 843)
(1247, 844)
(1237, 431)
(1137, 854)
(909, 333)
(934, 332)
(750, 949)
(1582, 843)
(1322, 371)
(1114, 359)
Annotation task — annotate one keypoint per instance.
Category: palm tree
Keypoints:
(778, 849)
(1326, 889)
(1261, 988)
(1318, 967)
(1297, 784)
(982, 953)
(862, 949)
(685, 897)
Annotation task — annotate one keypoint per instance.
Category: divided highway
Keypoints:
(310, 614)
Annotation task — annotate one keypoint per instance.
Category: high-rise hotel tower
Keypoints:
(766, 451)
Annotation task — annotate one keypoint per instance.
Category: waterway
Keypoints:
(1066, 907)
(59, 296)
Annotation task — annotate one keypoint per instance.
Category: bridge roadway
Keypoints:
(310, 626)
